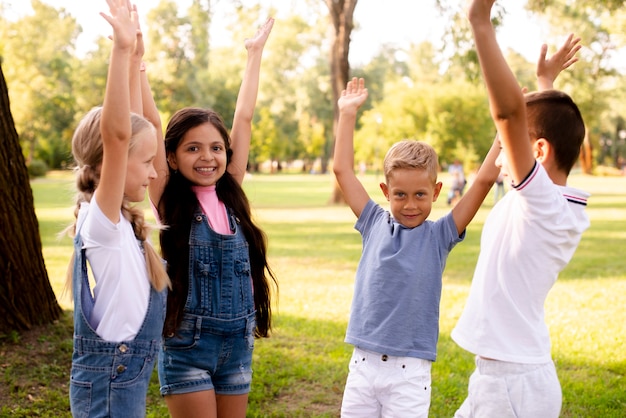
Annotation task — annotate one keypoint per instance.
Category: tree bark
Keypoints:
(586, 157)
(26, 297)
(341, 15)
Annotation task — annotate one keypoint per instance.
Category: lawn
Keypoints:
(300, 371)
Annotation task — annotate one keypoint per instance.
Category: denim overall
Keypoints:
(110, 379)
(212, 348)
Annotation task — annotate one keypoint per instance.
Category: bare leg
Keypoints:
(232, 406)
(193, 405)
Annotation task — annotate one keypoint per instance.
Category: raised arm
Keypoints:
(506, 101)
(135, 66)
(241, 132)
(148, 108)
(115, 120)
(549, 68)
(151, 112)
(465, 210)
(353, 191)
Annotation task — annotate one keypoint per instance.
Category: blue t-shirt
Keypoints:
(395, 308)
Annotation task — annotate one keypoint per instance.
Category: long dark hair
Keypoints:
(176, 208)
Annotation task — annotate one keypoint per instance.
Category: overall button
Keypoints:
(384, 357)
(123, 348)
(121, 368)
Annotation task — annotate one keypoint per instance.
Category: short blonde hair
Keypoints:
(411, 154)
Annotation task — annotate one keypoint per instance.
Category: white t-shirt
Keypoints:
(528, 238)
(122, 289)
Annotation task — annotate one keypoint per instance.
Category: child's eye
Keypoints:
(192, 148)
(218, 148)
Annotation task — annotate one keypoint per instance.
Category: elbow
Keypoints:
(339, 170)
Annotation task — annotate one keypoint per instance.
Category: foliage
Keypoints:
(415, 91)
(37, 168)
(39, 71)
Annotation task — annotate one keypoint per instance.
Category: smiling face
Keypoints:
(140, 170)
(200, 156)
(411, 193)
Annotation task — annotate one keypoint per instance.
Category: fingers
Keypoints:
(543, 52)
(355, 85)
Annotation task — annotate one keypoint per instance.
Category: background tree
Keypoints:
(598, 87)
(26, 297)
(40, 75)
(342, 18)
(52, 86)
(177, 51)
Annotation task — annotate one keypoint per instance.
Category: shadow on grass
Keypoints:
(299, 372)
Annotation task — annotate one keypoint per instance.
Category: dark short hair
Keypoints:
(553, 115)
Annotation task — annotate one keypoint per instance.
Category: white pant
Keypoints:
(379, 385)
(512, 390)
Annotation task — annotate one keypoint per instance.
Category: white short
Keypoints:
(502, 389)
(380, 385)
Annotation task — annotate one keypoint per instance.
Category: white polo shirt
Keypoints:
(528, 238)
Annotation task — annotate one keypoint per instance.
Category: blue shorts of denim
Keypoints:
(208, 354)
(111, 379)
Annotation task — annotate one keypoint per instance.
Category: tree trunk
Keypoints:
(26, 297)
(586, 158)
(341, 15)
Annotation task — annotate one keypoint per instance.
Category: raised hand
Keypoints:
(257, 42)
(123, 19)
(139, 45)
(549, 68)
(353, 96)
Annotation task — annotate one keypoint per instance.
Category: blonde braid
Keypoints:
(154, 264)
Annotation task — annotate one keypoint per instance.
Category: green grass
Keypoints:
(300, 371)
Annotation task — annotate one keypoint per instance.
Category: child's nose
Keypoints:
(207, 155)
(411, 203)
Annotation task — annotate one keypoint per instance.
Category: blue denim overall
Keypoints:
(212, 348)
(110, 379)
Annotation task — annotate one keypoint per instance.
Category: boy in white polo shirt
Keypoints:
(528, 238)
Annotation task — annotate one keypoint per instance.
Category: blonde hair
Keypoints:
(87, 152)
(411, 154)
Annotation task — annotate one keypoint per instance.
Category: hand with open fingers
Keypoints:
(123, 19)
(353, 96)
(549, 68)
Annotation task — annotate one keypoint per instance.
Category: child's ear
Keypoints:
(543, 151)
(437, 190)
(385, 189)
(171, 161)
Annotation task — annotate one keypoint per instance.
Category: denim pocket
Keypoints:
(80, 398)
(185, 338)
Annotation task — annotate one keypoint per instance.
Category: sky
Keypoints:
(378, 22)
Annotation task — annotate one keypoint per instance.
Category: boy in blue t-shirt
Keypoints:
(394, 320)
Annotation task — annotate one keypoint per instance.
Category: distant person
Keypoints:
(216, 255)
(117, 331)
(530, 235)
(457, 174)
(394, 320)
